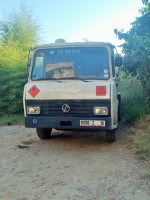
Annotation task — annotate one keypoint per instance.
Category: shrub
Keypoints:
(11, 90)
(134, 99)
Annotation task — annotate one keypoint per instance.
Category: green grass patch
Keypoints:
(134, 99)
(12, 120)
(146, 176)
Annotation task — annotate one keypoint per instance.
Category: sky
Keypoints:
(76, 20)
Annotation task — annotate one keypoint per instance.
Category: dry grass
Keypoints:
(139, 139)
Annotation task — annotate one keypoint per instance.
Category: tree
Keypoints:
(147, 4)
(17, 34)
(137, 48)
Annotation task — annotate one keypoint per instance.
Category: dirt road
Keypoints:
(69, 166)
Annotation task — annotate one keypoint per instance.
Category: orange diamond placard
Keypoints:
(33, 91)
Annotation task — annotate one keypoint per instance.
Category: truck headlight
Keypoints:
(33, 110)
(100, 111)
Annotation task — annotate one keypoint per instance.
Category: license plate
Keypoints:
(92, 123)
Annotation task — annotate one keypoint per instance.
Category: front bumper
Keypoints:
(63, 122)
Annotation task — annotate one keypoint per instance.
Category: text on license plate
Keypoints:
(93, 123)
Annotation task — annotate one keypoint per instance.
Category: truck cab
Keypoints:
(72, 86)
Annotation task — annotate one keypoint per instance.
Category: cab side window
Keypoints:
(113, 63)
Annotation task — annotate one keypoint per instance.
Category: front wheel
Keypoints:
(44, 133)
(111, 135)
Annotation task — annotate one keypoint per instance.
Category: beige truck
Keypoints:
(72, 86)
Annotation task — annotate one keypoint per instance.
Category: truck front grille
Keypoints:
(78, 108)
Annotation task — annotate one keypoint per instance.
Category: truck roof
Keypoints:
(74, 44)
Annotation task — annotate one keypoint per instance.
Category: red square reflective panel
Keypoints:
(100, 90)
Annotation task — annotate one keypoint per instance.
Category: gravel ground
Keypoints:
(69, 166)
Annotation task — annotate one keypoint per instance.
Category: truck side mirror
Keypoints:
(118, 61)
(28, 65)
(117, 76)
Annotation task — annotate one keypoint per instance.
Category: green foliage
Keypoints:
(137, 48)
(17, 34)
(147, 4)
(20, 27)
(12, 82)
(11, 55)
(134, 99)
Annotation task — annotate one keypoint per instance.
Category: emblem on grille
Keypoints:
(65, 108)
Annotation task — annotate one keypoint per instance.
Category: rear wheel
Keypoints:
(44, 133)
(111, 135)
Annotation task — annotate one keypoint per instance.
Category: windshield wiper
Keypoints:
(73, 78)
(49, 79)
(59, 79)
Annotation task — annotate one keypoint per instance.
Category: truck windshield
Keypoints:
(71, 63)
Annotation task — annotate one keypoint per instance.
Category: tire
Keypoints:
(111, 135)
(44, 133)
(119, 107)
